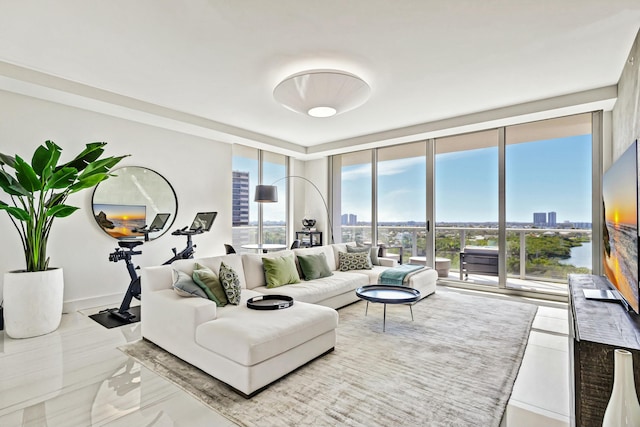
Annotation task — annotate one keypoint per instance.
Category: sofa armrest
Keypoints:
(156, 278)
(165, 314)
(387, 262)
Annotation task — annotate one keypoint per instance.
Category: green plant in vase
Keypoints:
(37, 193)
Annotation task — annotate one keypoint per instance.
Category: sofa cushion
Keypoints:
(184, 285)
(354, 261)
(280, 271)
(315, 291)
(254, 269)
(210, 284)
(249, 336)
(230, 283)
(314, 266)
(234, 261)
(373, 251)
(326, 250)
(340, 247)
(373, 274)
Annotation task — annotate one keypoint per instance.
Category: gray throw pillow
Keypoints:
(373, 251)
(354, 261)
(314, 266)
(184, 285)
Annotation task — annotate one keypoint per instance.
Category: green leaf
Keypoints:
(45, 157)
(7, 160)
(18, 213)
(101, 166)
(27, 176)
(11, 186)
(60, 211)
(87, 156)
(62, 178)
(88, 182)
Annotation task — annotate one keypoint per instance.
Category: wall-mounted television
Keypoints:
(620, 228)
(119, 221)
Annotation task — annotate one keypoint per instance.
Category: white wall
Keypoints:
(317, 172)
(198, 169)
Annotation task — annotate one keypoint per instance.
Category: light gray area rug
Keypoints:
(455, 365)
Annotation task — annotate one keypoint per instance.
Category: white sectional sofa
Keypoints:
(245, 348)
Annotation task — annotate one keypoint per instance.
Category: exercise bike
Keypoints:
(125, 252)
(201, 223)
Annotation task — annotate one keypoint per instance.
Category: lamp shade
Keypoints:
(322, 93)
(266, 194)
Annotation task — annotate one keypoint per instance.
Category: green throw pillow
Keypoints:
(210, 284)
(230, 283)
(314, 266)
(373, 251)
(280, 271)
(354, 261)
(185, 286)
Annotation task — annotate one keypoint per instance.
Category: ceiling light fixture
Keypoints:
(322, 93)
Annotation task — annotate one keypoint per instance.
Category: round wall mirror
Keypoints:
(135, 203)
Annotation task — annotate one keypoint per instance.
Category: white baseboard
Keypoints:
(85, 303)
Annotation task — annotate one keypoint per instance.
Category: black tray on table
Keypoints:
(270, 302)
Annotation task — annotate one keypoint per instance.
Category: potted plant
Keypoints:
(38, 192)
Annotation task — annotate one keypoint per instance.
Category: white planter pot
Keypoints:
(32, 302)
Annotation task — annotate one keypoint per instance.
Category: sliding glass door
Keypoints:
(466, 204)
(548, 174)
(401, 201)
(512, 206)
(354, 196)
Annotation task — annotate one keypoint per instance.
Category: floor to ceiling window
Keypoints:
(274, 215)
(254, 222)
(516, 202)
(548, 172)
(401, 199)
(466, 198)
(353, 194)
(245, 210)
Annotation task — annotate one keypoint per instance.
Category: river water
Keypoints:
(580, 256)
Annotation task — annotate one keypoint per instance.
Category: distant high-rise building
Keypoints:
(240, 208)
(540, 219)
(349, 219)
(551, 221)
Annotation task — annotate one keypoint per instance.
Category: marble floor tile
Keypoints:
(76, 376)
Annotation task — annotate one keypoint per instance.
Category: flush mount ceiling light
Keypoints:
(322, 93)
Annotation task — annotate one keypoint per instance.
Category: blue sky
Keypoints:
(542, 176)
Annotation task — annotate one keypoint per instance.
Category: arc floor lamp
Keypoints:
(269, 194)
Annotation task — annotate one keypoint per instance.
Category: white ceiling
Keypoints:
(209, 67)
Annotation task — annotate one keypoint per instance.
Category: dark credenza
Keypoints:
(596, 329)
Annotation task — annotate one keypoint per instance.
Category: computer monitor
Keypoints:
(159, 221)
(203, 221)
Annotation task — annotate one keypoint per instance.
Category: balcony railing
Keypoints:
(532, 253)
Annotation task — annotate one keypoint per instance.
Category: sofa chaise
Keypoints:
(249, 349)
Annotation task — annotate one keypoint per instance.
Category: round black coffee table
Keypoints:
(388, 294)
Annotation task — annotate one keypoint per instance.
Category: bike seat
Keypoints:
(130, 244)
